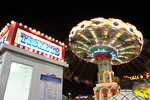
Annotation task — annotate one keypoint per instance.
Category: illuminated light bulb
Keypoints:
(51, 56)
(31, 50)
(42, 34)
(44, 54)
(59, 42)
(46, 36)
(3, 31)
(56, 40)
(40, 53)
(15, 44)
(55, 58)
(38, 32)
(63, 44)
(21, 46)
(34, 30)
(7, 42)
(49, 37)
(12, 22)
(26, 48)
(30, 28)
(20, 24)
(25, 26)
(8, 24)
(53, 39)
(62, 60)
(35, 51)
(48, 56)
(4, 28)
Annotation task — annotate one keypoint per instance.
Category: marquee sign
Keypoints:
(136, 77)
(21, 36)
(29, 40)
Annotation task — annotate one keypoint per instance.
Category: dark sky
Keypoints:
(57, 19)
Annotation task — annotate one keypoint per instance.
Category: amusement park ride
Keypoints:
(105, 42)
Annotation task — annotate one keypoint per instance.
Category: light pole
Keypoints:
(69, 95)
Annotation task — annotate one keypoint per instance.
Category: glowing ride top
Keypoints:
(122, 40)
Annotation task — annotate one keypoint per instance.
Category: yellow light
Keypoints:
(132, 46)
(129, 39)
(126, 57)
(79, 51)
(82, 48)
(92, 60)
(94, 35)
(118, 60)
(85, 37)
(121, 49)
(106, 31)
(118, 35)
(119, 45)
(113, 41)
(82, 43)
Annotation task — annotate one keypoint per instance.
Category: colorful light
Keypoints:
(124, 37)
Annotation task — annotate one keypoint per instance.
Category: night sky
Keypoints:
(57, 19)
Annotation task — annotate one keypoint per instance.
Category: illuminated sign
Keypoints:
(34, 42)
(135, 77)
(51, 78)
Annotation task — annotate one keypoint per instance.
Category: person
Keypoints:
(126, 92)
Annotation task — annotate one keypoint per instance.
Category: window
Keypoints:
(18, 84)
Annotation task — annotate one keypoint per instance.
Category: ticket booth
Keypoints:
(31, 64)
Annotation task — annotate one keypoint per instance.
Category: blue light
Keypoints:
(103, 50)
